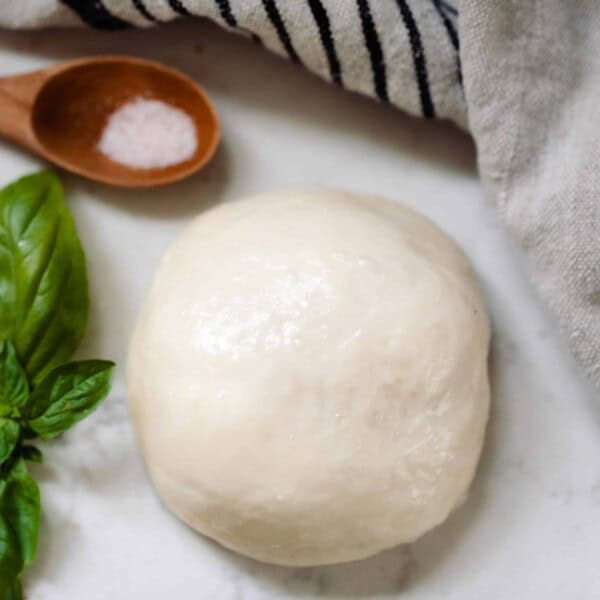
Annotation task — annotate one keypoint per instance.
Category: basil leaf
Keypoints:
(20, 507)
(11, 562)
(43, 280)
(14, 388)
(32, 453)
(19, 526)
(14, 591)
(67, 395)
(9, 436)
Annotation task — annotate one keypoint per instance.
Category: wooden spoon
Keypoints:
(60, 112)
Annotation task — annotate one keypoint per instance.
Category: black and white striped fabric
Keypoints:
(403, 52)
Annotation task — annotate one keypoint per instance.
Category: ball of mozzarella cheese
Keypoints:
(308, 376)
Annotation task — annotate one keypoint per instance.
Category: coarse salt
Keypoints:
(148, 134)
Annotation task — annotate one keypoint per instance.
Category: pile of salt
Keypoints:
(148, 134)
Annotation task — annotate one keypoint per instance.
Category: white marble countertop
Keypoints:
(531, 525)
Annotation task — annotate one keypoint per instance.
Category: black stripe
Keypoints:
(452, 35)
(141, 8)
(179, 8)
(226, 14)
(449, 8)
(374, 48)
(282, 32)
(229, 18)
(322, 20)
(95, 14)
(447, 24)
(419, 61)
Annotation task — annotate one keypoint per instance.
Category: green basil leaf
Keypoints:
(14, 591)
(68, 394)
(20, 507)
(19, 526)
(14, 388)
(11, 561)
(9, 436)
(32, 453)
(43, 280)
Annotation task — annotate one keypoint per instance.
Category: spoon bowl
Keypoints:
(60, 113)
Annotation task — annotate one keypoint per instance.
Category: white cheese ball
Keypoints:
(308, 376)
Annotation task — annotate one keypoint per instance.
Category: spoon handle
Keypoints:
(17, 98)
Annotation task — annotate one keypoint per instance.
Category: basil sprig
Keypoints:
(43, 313)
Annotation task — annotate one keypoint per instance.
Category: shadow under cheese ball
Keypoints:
(308, 376)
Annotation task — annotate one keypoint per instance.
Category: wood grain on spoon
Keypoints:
(60, 112)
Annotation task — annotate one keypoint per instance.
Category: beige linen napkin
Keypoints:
(523, 75)
(532, 80)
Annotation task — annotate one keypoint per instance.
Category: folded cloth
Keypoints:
(523, 80)
(532, 78)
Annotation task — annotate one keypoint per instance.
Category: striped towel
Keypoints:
(401, 52)
(523, 76)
